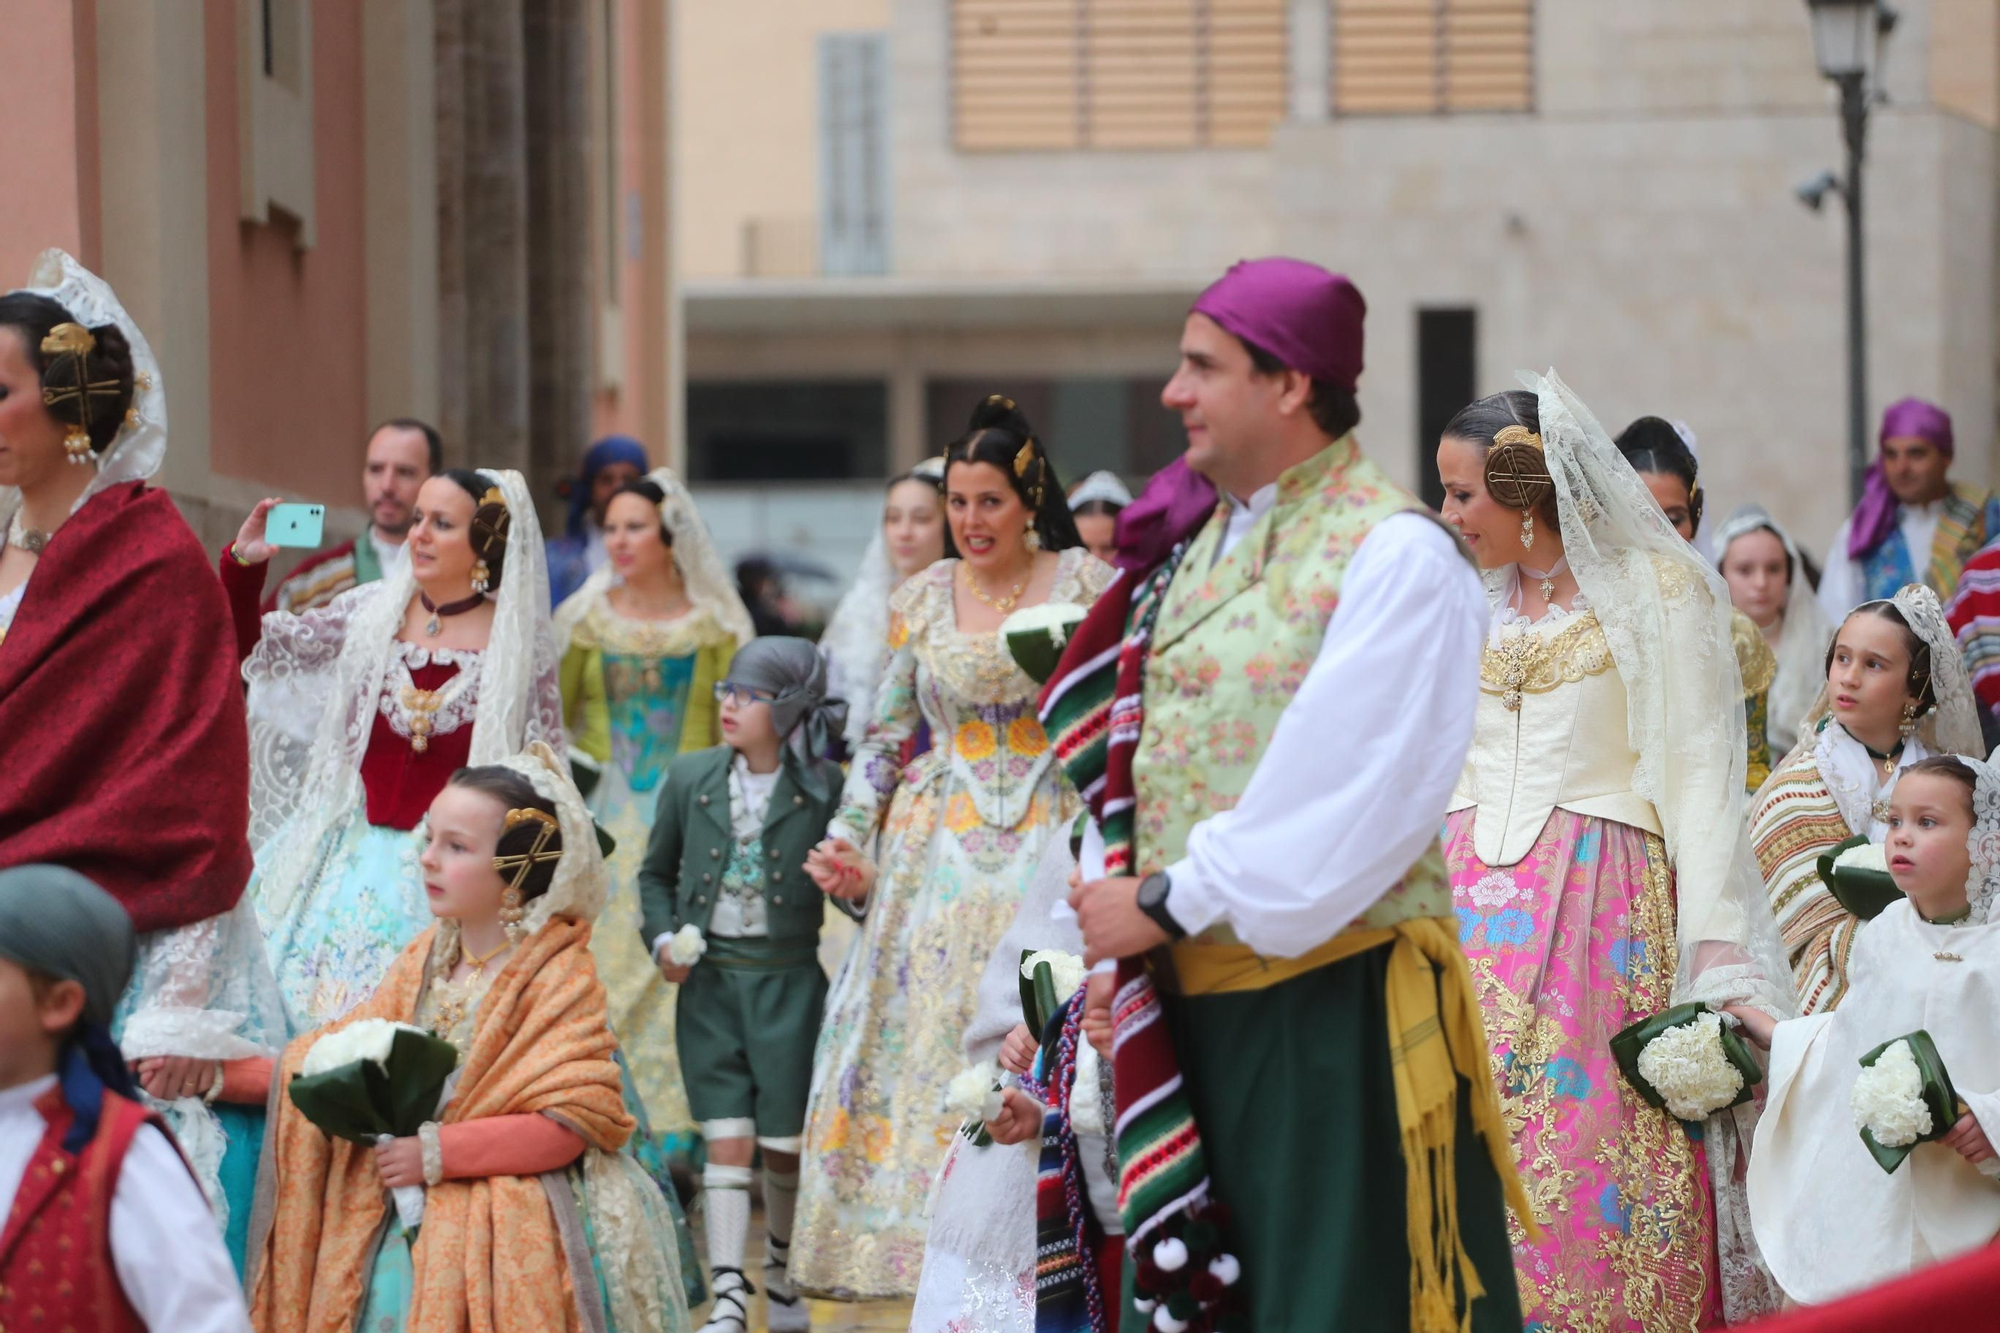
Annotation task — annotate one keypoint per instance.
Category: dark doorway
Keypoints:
(1446, 375)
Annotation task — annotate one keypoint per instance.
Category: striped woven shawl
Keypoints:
(1795, 821)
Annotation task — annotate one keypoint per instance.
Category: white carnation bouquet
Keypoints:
(1902, 1097)
(686, 946)
(1689, 1061)
(1036, 636)
(374, 1081)
(974, 1095)
(1856, 873)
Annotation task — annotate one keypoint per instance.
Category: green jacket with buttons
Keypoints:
(692, 842)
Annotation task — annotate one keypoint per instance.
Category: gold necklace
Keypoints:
(1001, 604)
(478, 964)
(454, 998)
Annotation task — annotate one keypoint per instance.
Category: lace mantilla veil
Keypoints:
(325, 669)
(856, 642)
(135, 453)
(1952, 727)
(703, 574)
(1666, 614)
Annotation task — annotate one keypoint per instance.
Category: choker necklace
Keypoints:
(31, 540)
(1547, 576)
(435, 625)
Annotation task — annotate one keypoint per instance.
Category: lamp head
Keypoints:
(1813, 193)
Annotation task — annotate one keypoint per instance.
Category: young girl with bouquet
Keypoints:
(1910, 1057)
(533, 1219)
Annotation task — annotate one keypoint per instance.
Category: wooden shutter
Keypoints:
(1068, 74)
(1425, 56)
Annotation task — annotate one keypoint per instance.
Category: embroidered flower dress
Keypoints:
(1566, 909)
(963, 828)
(635, 694)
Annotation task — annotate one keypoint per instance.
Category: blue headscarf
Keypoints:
(611, 449)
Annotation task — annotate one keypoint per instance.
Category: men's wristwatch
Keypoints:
(1153, 902)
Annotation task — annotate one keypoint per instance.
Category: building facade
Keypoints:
(325, 213)
(891, 207)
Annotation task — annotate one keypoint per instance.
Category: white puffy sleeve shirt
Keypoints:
(1362, 764)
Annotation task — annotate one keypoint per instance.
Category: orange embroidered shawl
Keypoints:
(490, 1254)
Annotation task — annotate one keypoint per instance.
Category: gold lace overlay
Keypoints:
(1754, 657)
(604, 629)
(1660, 1178)
(1534, 663)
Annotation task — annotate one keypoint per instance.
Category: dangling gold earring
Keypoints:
(481, 576)
(510, 914)
(1527, 529)
(1033, 539)
(76, 446)
(1908, 725)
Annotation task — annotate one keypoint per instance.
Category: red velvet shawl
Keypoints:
(124, 753)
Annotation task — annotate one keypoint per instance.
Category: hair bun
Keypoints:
(1517, 472)
(999, 412)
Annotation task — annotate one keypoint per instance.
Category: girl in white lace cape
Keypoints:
(1829, 1219)
(1802, 638)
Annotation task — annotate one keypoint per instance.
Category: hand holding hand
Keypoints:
(1969, 1141)
(251, 547)
(170, 1077)
(839, 869)
(401, 1162)
(1020, 1118)
(670, 971)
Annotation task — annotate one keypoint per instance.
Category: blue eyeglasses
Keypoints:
(725, 691)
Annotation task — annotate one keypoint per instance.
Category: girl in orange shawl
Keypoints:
(533, 1219)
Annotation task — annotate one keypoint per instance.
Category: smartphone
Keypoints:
(295, 525)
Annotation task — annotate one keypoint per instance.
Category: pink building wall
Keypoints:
(288, 360)
(48, 156)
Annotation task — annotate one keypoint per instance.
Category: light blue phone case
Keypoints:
(299, 525)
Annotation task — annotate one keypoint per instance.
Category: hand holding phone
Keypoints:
(266, 529)
(295, 525)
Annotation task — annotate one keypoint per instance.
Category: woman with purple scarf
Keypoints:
(1914, 524)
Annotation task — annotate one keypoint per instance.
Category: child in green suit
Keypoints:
(732, 918)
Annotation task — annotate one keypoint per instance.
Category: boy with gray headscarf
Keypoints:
(101, 1223)
(732, 918)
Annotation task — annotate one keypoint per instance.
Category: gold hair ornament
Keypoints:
(491, 533)
(1517, 472)
(521, 863)
(73, 341)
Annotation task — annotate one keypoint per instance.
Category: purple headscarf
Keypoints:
(1875, 516)
(1175, 502)
(1308, 318)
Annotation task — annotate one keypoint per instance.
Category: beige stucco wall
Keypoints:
(745, 88)
(49, 153)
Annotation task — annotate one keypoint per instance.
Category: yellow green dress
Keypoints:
(635, 694)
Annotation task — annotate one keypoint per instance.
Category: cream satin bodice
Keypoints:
(1550, 734)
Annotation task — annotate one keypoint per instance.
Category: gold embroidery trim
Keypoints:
(1530, 663)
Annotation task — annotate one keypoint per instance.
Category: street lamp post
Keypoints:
(1847, 36)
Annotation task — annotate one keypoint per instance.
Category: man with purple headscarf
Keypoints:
(579, 551)
(1913, 525)
(1296, 687)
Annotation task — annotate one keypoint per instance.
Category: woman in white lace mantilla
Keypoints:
(361, 710)
(1599, 868)
(1894, 692)
(962, 830)
(643, 644)
(106, 596)
(1768, 583)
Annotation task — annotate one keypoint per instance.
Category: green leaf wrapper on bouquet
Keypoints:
(1903, 1097)
(371, 1095)
(371, 1081)
(1703, 1065)
(1858, 879)
(1037, 635)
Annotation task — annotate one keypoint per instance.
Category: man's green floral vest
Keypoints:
(1232, 644)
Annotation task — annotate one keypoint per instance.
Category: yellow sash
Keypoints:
(1435, 1037)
